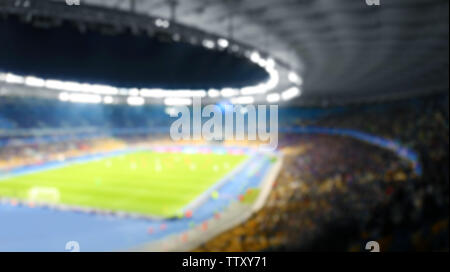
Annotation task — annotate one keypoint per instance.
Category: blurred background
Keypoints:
(363, 119)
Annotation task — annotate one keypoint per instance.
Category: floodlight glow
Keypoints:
(80, 97)
(290, 93)
(253, 89)
(294, 78)
(177, 101)
(100, 89)
(223, 43)
(108, 99)
(209, 44)
(160, 93)
(213, 93)
(133, 92)
(228, 92)
(85, 98)
(262, 62)
(34, 82)
(66, 86)
(135, 101)
(273, 97)
(274, 78)
(243, 100)
(11, 78)
(64, 96)
(54, 84)
(254, 57)
(186, 93)
(156, 93)
(162, 23)
(270, 63)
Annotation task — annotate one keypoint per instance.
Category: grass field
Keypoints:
(144, 182)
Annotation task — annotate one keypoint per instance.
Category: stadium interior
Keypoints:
(90, 90)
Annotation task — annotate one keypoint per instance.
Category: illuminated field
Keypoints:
(144, 182)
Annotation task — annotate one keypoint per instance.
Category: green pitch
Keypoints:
(143, 182)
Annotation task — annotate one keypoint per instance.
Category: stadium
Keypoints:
(224, 126)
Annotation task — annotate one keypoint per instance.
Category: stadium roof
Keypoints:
(122, 60)
(326, 51)
(344, 49)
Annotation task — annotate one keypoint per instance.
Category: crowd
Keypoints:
(328, 185)
(417, 214)
(336, 193)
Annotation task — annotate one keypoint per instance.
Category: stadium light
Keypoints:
(98, 89)
(156, 93)
(173, 101)
(64, 85)
(85, 98)
(209, 41)
(133, 92)
(64, 96)
(290, 93)
(213, 93)
(223, 43)
(54, 84)
(254, 57)
(273, 97)
(270, 63)
(11, 78)
(108, 99)
(135, 101)
(274, 78)
(80, 98)
(208, 44)
(253, 89)
(34, 81)
(262, 62)
(243, 100)
(186, 93)
(162, 23)
(69, 86)
(229, 92)
(160, 93)
(295, 78)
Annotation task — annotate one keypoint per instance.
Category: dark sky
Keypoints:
(121, 60)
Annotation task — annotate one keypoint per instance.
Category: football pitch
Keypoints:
(144, 182)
